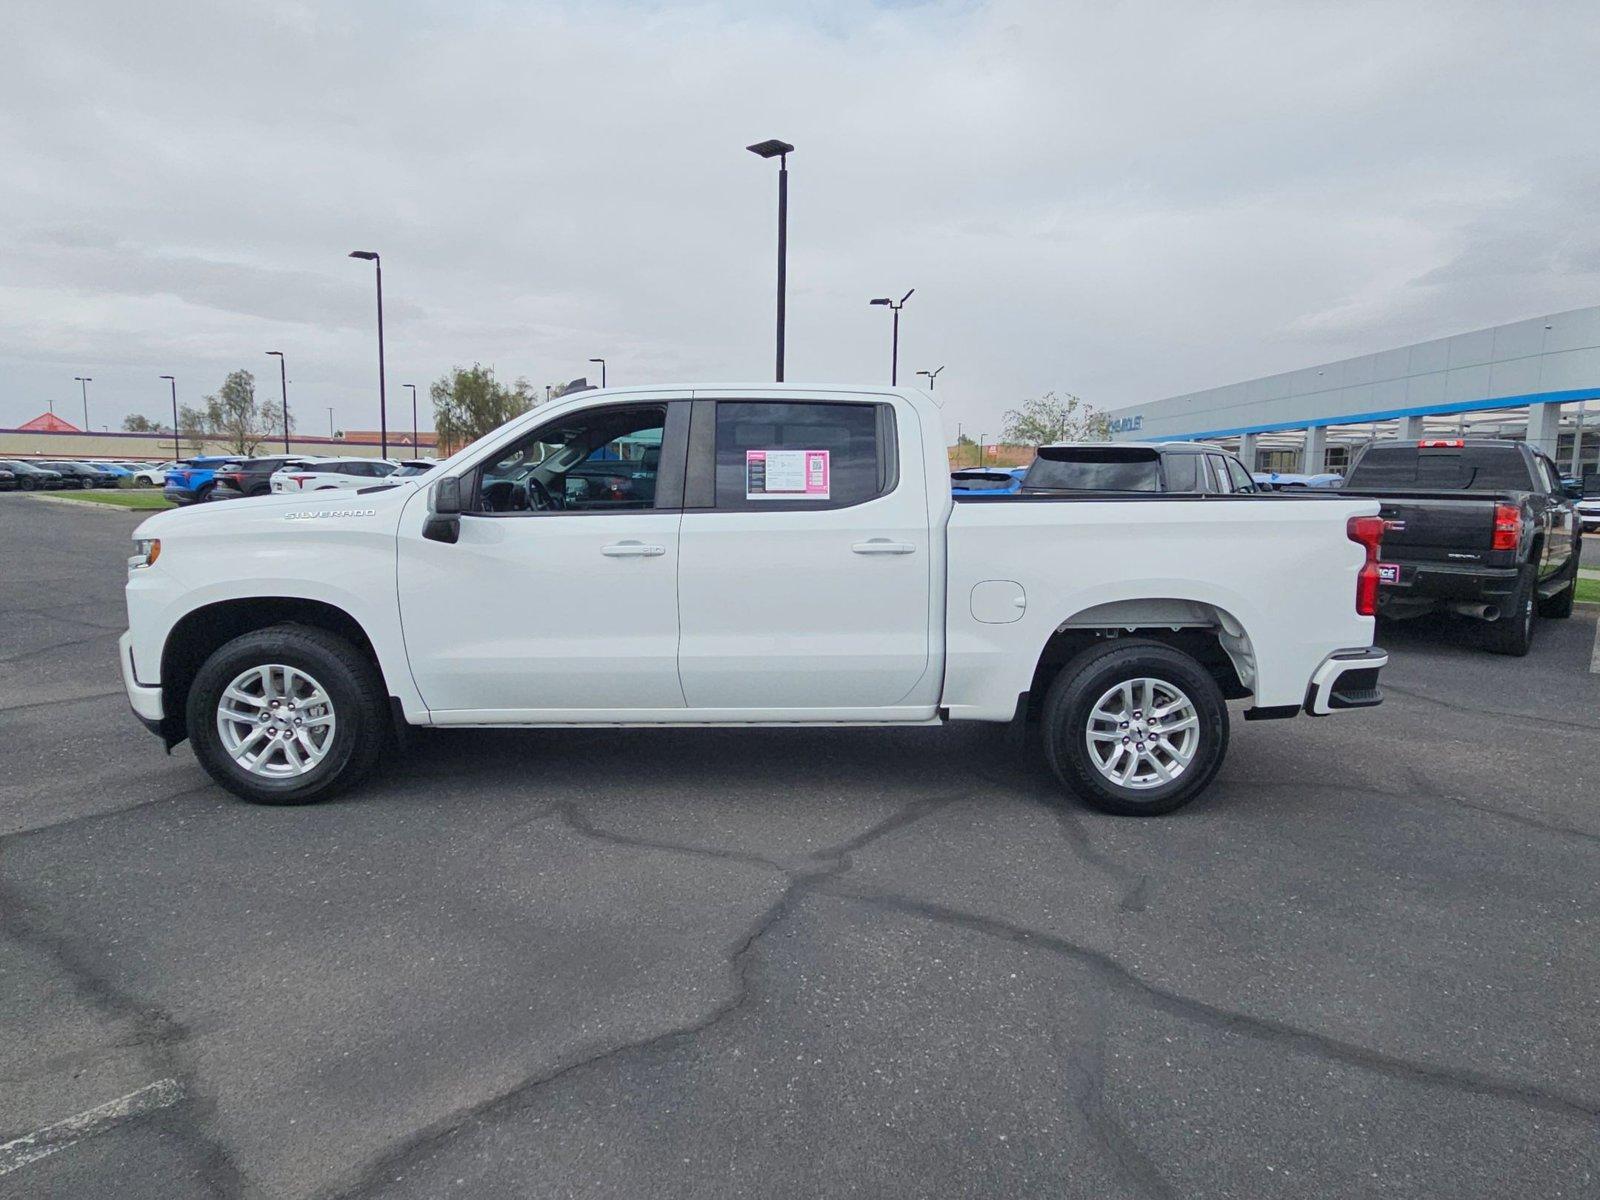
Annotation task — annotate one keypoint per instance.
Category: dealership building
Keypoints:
(1531, 379)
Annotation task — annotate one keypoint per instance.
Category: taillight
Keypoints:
(1367, 532)
(1442, 444)
(1507, 527)
(300, 480)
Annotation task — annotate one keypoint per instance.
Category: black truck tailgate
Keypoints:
(1435, 527)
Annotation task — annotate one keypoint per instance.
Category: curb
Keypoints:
(82, 505)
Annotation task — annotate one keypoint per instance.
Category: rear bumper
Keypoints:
(143, 699)
(1346, 679)
(1440, 581)
(178, 495)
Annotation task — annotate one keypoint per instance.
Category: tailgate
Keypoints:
(1437, 530)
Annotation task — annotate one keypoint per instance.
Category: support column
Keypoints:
(1544, 421)
(1247, 451)
(1314, 458)
(1410, 430)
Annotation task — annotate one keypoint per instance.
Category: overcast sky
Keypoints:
(1118, 201)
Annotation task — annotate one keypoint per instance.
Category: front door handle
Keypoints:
(883, 546)
(632, 549)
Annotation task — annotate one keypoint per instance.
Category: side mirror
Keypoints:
(444, 511)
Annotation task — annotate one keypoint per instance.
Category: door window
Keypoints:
(1241, 478)
(1219, 473)
(594, 460)
(807, 455)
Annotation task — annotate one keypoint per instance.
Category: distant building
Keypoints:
(48, 423)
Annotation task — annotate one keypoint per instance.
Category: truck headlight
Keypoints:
(145, 553)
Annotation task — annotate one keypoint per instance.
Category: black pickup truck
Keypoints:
(1478, 526)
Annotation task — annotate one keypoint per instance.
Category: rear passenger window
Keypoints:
(1183, 473)
(806, 455)
(1219, 472)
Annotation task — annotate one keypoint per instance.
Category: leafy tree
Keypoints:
(233, 417)
(139, 423)
(1052, 418)
(470, 402)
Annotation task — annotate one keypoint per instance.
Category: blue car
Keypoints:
(119, 471)
(986, 481)
(195, 479)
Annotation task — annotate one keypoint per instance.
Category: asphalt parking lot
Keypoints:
(784, 963)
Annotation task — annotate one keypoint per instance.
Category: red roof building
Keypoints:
(48, 423)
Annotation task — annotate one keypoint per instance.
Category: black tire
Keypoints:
(25, 483)
(352, 683)
(206, 494)
(1512, 632)
(85, 484)
(1559, 606)
(1080, 686)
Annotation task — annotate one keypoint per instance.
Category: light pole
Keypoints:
(602, 363)
(283, 378)
(894, 360)
(932, 375)
(413, 388)
(383, 394)
(176, 452)
(773, 148)
(84, 381)
(330, 420)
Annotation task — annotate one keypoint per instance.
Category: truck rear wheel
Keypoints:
(1135, 728)
(1511, 632)
(287, 715)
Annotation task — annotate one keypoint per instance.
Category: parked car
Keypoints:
(31, 478)
(8, 480)
(155, 476)
(1279, 481)
(82, 475)
(332, 473)
(1137, 467)
(253, 476)
(1478, 526)
(972, 480)
(796, 558)
(1588, 510)
(120, 470)
(194, 481)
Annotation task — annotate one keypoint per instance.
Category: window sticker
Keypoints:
(786, 474)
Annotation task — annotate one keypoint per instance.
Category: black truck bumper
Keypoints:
(1419, 583)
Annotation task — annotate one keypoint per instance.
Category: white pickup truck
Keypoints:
(758, 555)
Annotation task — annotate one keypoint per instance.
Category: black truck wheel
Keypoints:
(1135, 728)
(1512, 632)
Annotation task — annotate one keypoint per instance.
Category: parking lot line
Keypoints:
(43, 1142)
(1594, 658)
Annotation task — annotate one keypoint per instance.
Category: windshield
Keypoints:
(1442, 468)
(1094, 469)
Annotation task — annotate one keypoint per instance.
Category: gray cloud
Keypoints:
(1121, 201)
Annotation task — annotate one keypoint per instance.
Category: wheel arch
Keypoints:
(1208, 632)
(201, 631)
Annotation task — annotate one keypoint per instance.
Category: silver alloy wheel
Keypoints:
(1143, 733)
(276, 721)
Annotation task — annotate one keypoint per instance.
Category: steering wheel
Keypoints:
(541, 500)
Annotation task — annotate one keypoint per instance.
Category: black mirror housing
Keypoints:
(444, 511)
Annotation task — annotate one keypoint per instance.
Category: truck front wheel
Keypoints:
(1135, 728)
(287, 715)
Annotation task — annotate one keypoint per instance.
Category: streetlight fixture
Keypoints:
(413, 388)
(383, 394)
(894, 360)
(773, 148)
(602, 363)
(177, 454)
(932, 375)
(84, 381)
(283, 378)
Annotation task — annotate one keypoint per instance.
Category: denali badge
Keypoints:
(330, 512)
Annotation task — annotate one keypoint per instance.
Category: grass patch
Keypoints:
(151, 501)
(1589, 591)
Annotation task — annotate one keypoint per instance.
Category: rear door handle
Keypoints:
(883, 546)
(632, 549)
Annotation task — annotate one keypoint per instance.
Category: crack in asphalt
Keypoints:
(24, 655)
(85, 818)
(381, 1171)
(7, 708)
(1111, 971)
(1488, 712)
(157, 1034)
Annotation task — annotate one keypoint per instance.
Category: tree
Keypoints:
(139, 423)
(470, 402)
(1051, 418)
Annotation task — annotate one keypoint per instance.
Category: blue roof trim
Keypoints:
(1427, 410)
